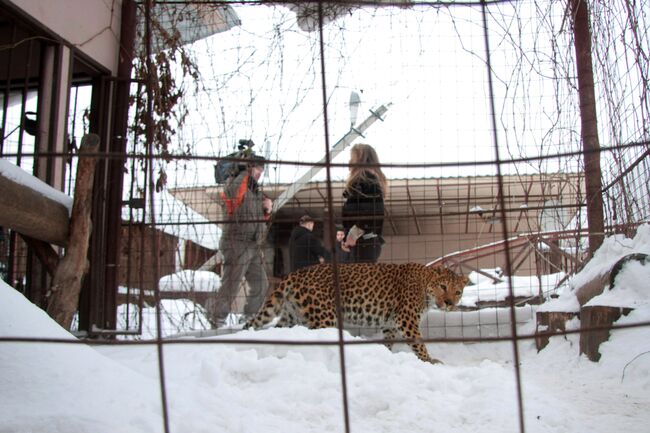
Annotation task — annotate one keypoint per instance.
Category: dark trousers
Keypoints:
(367, 250)
(239, 260)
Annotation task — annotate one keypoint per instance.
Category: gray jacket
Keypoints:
(242, 206)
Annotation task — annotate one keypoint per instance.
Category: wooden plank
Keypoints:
(149, 298)
(520, 258)
(591, 288)
(524, 210)
(31, 213)
(506, 303)
(554, 247)
(595, 323)
(549, 323)
(45, 253)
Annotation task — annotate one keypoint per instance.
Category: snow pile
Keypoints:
(631, 284)
(630, 288)
(191, 280)
(248, 382)
(65, 387)
(483, 288)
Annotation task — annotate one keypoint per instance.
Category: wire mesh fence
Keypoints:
(473, 108)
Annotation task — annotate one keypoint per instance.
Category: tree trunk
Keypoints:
(589, 123)
(66, 283)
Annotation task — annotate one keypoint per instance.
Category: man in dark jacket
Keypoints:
(305, 249)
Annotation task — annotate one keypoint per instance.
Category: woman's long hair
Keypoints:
(365, 154)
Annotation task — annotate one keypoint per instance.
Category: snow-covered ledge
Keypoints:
(31, 207)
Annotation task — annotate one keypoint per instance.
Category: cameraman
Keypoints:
(246, 210)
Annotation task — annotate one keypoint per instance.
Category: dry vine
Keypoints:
(172, 65)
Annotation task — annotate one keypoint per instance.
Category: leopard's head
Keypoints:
(447, 287)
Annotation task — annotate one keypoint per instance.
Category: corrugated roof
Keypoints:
(411, 204)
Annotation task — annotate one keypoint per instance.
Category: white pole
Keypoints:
(348, 138)
(287, 194)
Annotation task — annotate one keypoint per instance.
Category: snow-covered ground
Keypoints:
(237, 383)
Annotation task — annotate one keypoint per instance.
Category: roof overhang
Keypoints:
(414, 205)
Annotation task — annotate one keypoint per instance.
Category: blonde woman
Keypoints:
(363, 210)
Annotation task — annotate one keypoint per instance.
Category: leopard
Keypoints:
(390, 296)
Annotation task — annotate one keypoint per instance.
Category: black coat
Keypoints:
(342, 256)
(364, 207)
(305, 249)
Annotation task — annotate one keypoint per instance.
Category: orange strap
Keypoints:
(233, 203)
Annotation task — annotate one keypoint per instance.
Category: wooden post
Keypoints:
(549, 322)
(63, 297)
(597, 317)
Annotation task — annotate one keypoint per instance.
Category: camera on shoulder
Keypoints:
(231, 165)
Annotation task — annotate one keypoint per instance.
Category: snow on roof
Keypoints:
(175, 218)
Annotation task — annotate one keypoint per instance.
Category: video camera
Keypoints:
(226, 168)
(246, 145)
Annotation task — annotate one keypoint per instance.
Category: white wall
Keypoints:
(92, 26)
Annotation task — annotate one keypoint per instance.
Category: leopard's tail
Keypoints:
(271, 308)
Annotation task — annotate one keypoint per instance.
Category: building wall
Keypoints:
(92, 26)
(137, 253)
(428, 246)
(402, 249)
